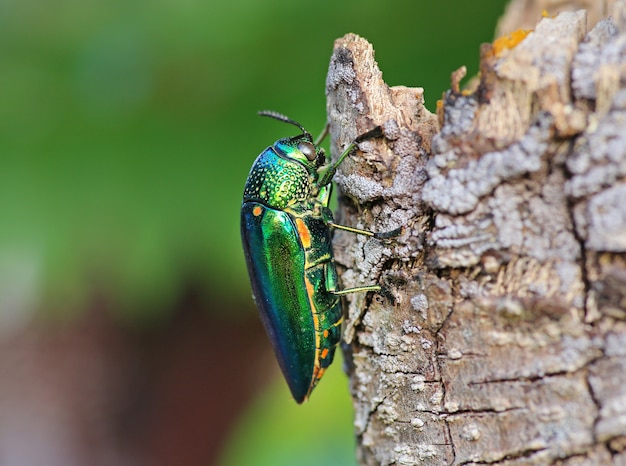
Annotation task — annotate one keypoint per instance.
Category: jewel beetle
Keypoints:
(286, 235)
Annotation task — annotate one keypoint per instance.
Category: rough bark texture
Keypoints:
(524, 13)
(501, 337)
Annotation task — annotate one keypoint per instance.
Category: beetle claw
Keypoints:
(386, 292)
(371, 134)
(389, 234)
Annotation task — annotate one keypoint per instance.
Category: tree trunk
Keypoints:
(500, 337)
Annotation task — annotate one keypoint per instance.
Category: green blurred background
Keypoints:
(127, 129)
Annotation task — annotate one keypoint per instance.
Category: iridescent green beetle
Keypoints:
(285, 230)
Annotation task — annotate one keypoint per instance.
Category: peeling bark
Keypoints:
(501, 335)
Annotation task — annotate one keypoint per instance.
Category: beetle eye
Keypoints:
(308, 150)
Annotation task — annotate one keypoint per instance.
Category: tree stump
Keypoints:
(501, 335)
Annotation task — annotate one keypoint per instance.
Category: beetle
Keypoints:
(286, 235)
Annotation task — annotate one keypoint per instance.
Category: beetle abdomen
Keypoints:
(327, 319)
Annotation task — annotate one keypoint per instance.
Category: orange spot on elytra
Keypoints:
(309, 289)
(303, 233)
(257, 211)
(324, 353)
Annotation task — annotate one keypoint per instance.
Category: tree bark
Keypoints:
(500, 337)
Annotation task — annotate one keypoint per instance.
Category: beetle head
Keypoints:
(300, 148)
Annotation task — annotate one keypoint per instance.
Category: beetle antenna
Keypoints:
(283, 118)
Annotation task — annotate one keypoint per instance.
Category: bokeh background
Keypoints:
(128, 335)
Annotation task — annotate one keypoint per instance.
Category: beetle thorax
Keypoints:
(277, 182)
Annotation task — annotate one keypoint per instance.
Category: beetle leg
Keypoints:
(357, 289)
(332, 168)
(324, 194)
(330, 274)
(332, 283)
(378, 235)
